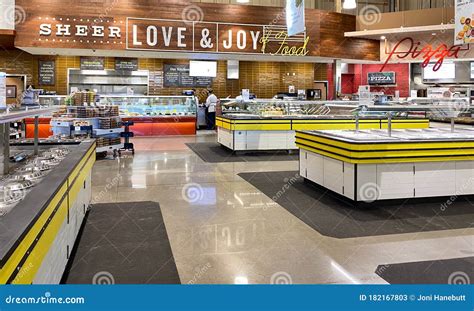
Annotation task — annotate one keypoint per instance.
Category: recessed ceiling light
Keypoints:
(383, 38)
(243, 1)
(433, 34)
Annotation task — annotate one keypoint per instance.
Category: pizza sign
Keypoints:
(381, 78)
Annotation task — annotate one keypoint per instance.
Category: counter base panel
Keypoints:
(373, 182)
(42, 254)
(256, 140)
(162, 127)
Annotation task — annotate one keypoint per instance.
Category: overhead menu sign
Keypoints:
(126, 64)
(381, 78)
(92, 63)
(178, 76)
(46, 72)
(295, 19)
(464, 21)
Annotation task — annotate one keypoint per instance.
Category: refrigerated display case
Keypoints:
(157, 115)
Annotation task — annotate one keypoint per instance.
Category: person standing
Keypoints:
(211, 105)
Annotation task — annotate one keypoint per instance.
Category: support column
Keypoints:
(337, 77)
(5, 145)
(338, 6)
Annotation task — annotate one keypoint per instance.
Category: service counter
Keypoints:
(371, 165)
(247, 133)
(37, 236)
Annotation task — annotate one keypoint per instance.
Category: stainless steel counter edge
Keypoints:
(15, 225)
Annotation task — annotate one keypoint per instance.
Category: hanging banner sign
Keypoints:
(464, 21)
(295, 18)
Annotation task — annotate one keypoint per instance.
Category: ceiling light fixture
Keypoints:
(349, 4)
(383, 38)
(243, 1)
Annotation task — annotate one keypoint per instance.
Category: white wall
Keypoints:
(7, 14)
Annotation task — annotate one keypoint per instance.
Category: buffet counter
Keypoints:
(371, 165)
(39, 233)
(252, 132)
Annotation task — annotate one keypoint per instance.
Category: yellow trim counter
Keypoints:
(371, 165)
(278, 133)
(40, 231)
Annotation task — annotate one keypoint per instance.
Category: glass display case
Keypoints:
(153, 106)
(156, 115)
(52, 100)
(275, 107)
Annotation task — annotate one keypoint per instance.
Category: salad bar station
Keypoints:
(371, 165)
(271, 125)
(45, 191)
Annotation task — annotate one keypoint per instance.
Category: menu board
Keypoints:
(126, 64)
(178, 76)
(382, 78)
(47, 72)
(92, 63)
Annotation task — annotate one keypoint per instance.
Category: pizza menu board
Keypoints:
(92, 63)
(126, 64)
(47, 72)
(178, 76)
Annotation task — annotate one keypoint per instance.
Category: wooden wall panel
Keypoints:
(264, 79)
(325, 29)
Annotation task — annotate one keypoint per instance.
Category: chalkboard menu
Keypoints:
(381, 78)
(178, 76)
(127, 64)
(92, 63)
(47, 72)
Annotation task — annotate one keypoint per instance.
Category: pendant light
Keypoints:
(349, 4)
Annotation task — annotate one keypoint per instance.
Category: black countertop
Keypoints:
(15, 225)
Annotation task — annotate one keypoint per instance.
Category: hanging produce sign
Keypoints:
(381, 78)
(464, 21)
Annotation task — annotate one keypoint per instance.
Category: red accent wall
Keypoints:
(351, 82)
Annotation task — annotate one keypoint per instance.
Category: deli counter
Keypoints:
(151, 115)
(271, 124)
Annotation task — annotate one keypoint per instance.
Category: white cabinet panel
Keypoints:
(333, 175)
(303, 164)
(367, 188)
(435, 179)
(349, 178)
(395, 181)
(315, 168)
(465, 177)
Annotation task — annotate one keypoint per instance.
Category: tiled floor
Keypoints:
(223, 230)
